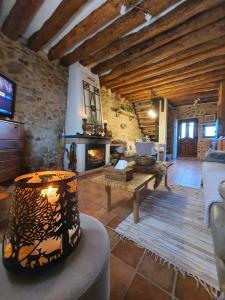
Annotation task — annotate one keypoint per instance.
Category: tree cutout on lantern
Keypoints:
(44, 224)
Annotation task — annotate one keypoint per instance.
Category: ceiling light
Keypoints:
(123, 9)
(196, 101)
(148, 17)
(152, 114)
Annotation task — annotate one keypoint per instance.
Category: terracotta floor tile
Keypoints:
(187, 289)
(141, 289)
(114, 238)
(120, 278)
(156, 272)
(115, 222)
(128, 252)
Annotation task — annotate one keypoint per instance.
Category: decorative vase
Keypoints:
(105, 130)
(85, 126)
(44, 224)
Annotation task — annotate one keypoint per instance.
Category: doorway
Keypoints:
(187, 138)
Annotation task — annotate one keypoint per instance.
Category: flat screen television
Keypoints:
(7, 97)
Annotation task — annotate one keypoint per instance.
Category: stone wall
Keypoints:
(190, 112)
(40, 102)
(131, 130)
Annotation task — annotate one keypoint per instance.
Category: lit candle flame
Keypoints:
(51, 193)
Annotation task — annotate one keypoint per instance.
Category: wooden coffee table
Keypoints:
(137, 184)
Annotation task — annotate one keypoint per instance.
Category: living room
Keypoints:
(112, 126)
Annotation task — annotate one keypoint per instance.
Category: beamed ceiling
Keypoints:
(179, 54)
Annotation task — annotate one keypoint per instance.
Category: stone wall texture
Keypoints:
(190, 112)
(40, 102)
(131, 132)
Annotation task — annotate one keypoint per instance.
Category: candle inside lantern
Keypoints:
(105, 122)
(51, 193)
(84, 116)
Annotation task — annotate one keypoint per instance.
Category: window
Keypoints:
(188, 129)
(191, 130)
(209, 131)
(183, 130)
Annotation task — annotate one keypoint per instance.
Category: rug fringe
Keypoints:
(210, 290)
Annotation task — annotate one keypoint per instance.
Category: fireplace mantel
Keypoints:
(86, 139)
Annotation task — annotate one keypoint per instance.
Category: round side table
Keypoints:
(83, 275)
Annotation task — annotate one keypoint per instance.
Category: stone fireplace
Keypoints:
(94, 156)
(91, 152)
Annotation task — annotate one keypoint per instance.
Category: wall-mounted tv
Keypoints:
(7, 97)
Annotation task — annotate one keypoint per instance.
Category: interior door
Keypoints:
(187, 138)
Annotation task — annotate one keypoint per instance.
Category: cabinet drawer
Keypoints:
(11, 144)
(9, 154)
(10, 131)
(9, 174)
(7, 164)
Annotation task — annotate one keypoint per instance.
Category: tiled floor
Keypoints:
(136, 275)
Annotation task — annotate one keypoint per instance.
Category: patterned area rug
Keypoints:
(171, 227)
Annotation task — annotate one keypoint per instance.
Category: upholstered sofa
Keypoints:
(213, 173)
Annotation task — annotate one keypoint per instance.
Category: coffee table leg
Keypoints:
(166, 179)
(108, 200)
(136, 207)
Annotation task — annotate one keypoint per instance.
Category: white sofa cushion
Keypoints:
(212, 174)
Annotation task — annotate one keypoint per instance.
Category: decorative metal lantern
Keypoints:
(44, 224)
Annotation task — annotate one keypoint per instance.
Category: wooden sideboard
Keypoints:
(11, 149)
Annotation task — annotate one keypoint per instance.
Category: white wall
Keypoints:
(163, 123)
(75, 97)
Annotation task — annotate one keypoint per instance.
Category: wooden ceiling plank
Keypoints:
(206, 91)
(192, 94)
(181, 60)
(118, 28)
(179, 15)
(89, 25)
(207, 74)
(190, 101)
(166, 79)
(206, 34)
(194, 83)
(201, 85)
(59, 18)
(189, 26)
(205, 86)
(20, 17)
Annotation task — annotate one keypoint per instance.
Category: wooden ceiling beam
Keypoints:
(190, 94)
(89, 25)
(204, 91)
(191, 101)
(181, 60)
(207, 86)
(118, 28)
(198, 78)
(58, 19)
(20, 17)
(206, 34)
(212, 64)
(193, 83)
(189, 26)
(177, 16)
